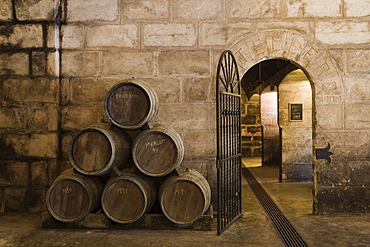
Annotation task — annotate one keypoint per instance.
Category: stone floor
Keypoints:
(252, 229)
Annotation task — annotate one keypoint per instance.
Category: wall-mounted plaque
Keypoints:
(295, 111)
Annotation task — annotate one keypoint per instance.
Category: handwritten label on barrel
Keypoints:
(122, 191)
(67, 190)
(154, 145)
(180, 192)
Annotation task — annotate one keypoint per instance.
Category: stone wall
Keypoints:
(251, 126)
(271, 132)
(296, 135)
(55, 69)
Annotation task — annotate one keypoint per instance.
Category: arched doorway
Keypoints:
(322, 71)
(284, 118)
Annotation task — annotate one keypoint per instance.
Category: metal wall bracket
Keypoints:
(324, 153)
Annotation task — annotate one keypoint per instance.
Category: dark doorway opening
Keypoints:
(277, 119)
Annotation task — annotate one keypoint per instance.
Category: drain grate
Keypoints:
(287, 232)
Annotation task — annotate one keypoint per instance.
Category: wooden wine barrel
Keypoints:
(186, 197)
(158, 151)
(97, 150)
(73, 195)
(127, 198)
(131, 104)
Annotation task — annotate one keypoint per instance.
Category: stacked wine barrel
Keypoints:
(126, 167)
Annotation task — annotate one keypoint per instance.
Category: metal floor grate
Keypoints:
(287, 232)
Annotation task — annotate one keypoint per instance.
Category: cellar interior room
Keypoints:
(184, 123)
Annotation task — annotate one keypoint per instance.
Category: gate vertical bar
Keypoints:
(229, 168)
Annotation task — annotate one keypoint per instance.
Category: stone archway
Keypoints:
(322, 71)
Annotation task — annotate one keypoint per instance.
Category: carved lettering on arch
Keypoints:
(308, 56)
(276, 42)
(329, 86)
(287, 44)
(259, 47)
(329, 98)
(294, 45)
(322, 68)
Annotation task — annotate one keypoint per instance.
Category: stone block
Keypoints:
(72, 37)
(5, 10)
(94, 10)
(182, 117)
(79, 117)
(21, 36)
(213, 34)
(198, 10)
(332, 175)
(236, 30)
(15, 199)
(39, 173)
(43, 118)
(128, 64)
(146, 10)
(170, 34)
(337, 199)
(357, 116)
(42, 145)
(30, 90)
(197, 89)
(85, 91)
(221, 33)
(254, 9)
(168, 89)
(35, 10)
(345, 144)
(38, 63)
(358, 61)
(329, 116)
(357, 8)
(297, 172)
(200, 144)
(340, 32)
(300, 26)
(119, 36)
(357, 172)
(80, 64)
(13, 117)
(359, 202)
(184, 63)
(14, 174)
(28, 118)
(355, 88)
(34, 145)
(312, 8)
(14, 63)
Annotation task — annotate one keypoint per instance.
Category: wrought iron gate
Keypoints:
(228, 142)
